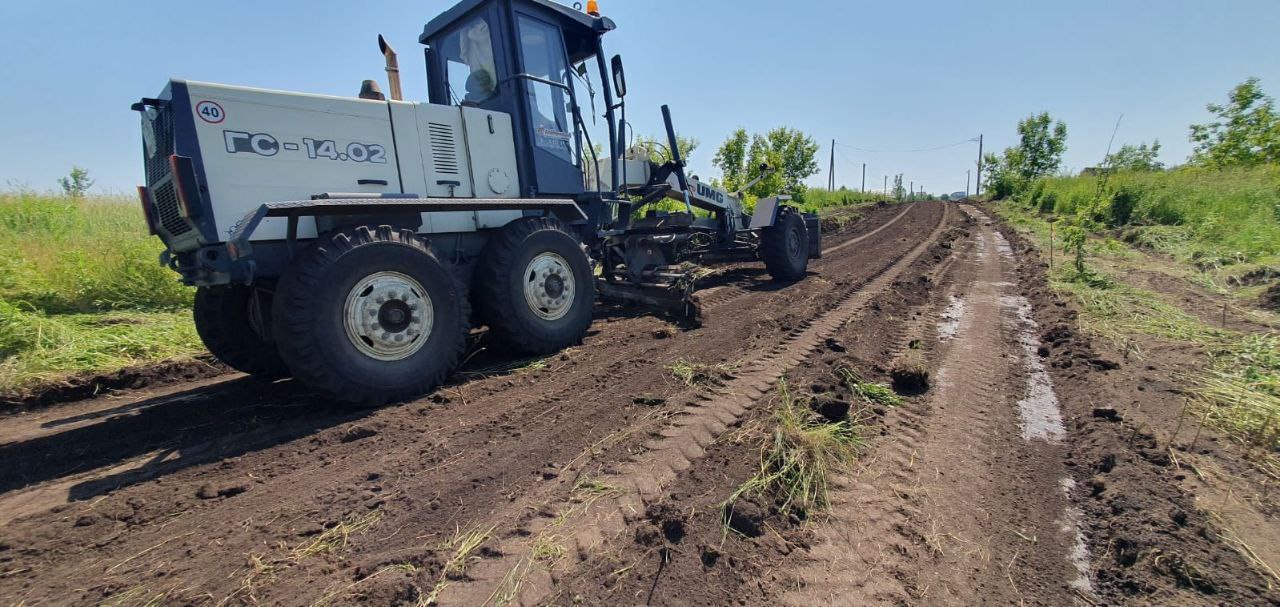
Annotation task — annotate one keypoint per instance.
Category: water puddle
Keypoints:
(1003, 247)
(951, 317)
(1038, 411)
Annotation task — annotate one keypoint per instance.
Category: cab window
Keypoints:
(470, 72)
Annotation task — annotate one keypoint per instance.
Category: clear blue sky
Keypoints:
(875, 75)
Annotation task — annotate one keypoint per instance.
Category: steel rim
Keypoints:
(793, 243)
(388, 316)
(549, 286)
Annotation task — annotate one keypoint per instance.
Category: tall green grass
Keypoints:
(1196, 214)
(62, 255)
(816, 200)
(81, 289)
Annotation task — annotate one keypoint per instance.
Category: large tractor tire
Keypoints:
(534, 287)
(784, 246)
(370, 316)
(232, 327)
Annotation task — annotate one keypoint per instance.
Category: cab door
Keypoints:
(548, 99)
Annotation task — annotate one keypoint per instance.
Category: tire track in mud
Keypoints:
(429, 467)
(728, 293)
(968, 502)
(620, 495)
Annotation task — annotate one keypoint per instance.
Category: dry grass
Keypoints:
(462, 548)
(336, 539)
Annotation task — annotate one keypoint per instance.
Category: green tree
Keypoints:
(731, 159)
(659, 152)
(899, 192)
(1041, 143)
(790, 153)
(76, 183)
(1246, 132)
(798, 154)
(1135, 158)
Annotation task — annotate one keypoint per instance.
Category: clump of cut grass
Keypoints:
(336, 539)
(869, 392)
(799, 458)
(1240, 393)
(462, 548)
(695, 374)
(593, 486)
(344, 591)
(511, 367)
(547, 548)
(139, 596)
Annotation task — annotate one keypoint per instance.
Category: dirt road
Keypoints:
(597, 477)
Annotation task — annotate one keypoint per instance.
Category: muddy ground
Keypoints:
(1032, 470)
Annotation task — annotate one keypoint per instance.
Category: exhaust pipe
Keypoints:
(393, 68)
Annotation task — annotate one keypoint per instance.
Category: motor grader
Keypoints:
(354, 242)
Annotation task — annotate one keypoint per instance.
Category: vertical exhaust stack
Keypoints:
(393, 68)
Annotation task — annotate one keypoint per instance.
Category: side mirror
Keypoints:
(619, 77)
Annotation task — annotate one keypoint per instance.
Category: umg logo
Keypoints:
(706, 191)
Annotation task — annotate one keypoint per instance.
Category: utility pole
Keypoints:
(977, 190)
(966, 181)
(912, 189)
(864, 178)
(831, 174)
(886, 186)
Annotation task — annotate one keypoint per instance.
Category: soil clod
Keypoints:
(745, 518)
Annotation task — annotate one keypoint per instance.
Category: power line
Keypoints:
(941, 147)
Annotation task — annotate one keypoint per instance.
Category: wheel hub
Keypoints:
(549, 286)
(388, 316)
(554, 286)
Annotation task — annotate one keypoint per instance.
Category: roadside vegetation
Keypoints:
(1213, 222)
(81, 289)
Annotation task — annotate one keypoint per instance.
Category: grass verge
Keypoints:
(81, 290)
(1238, 391)
(1223, 225)
(37, 348)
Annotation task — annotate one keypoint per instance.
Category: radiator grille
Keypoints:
(157, 164)
(444, 150)
(166, 201)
